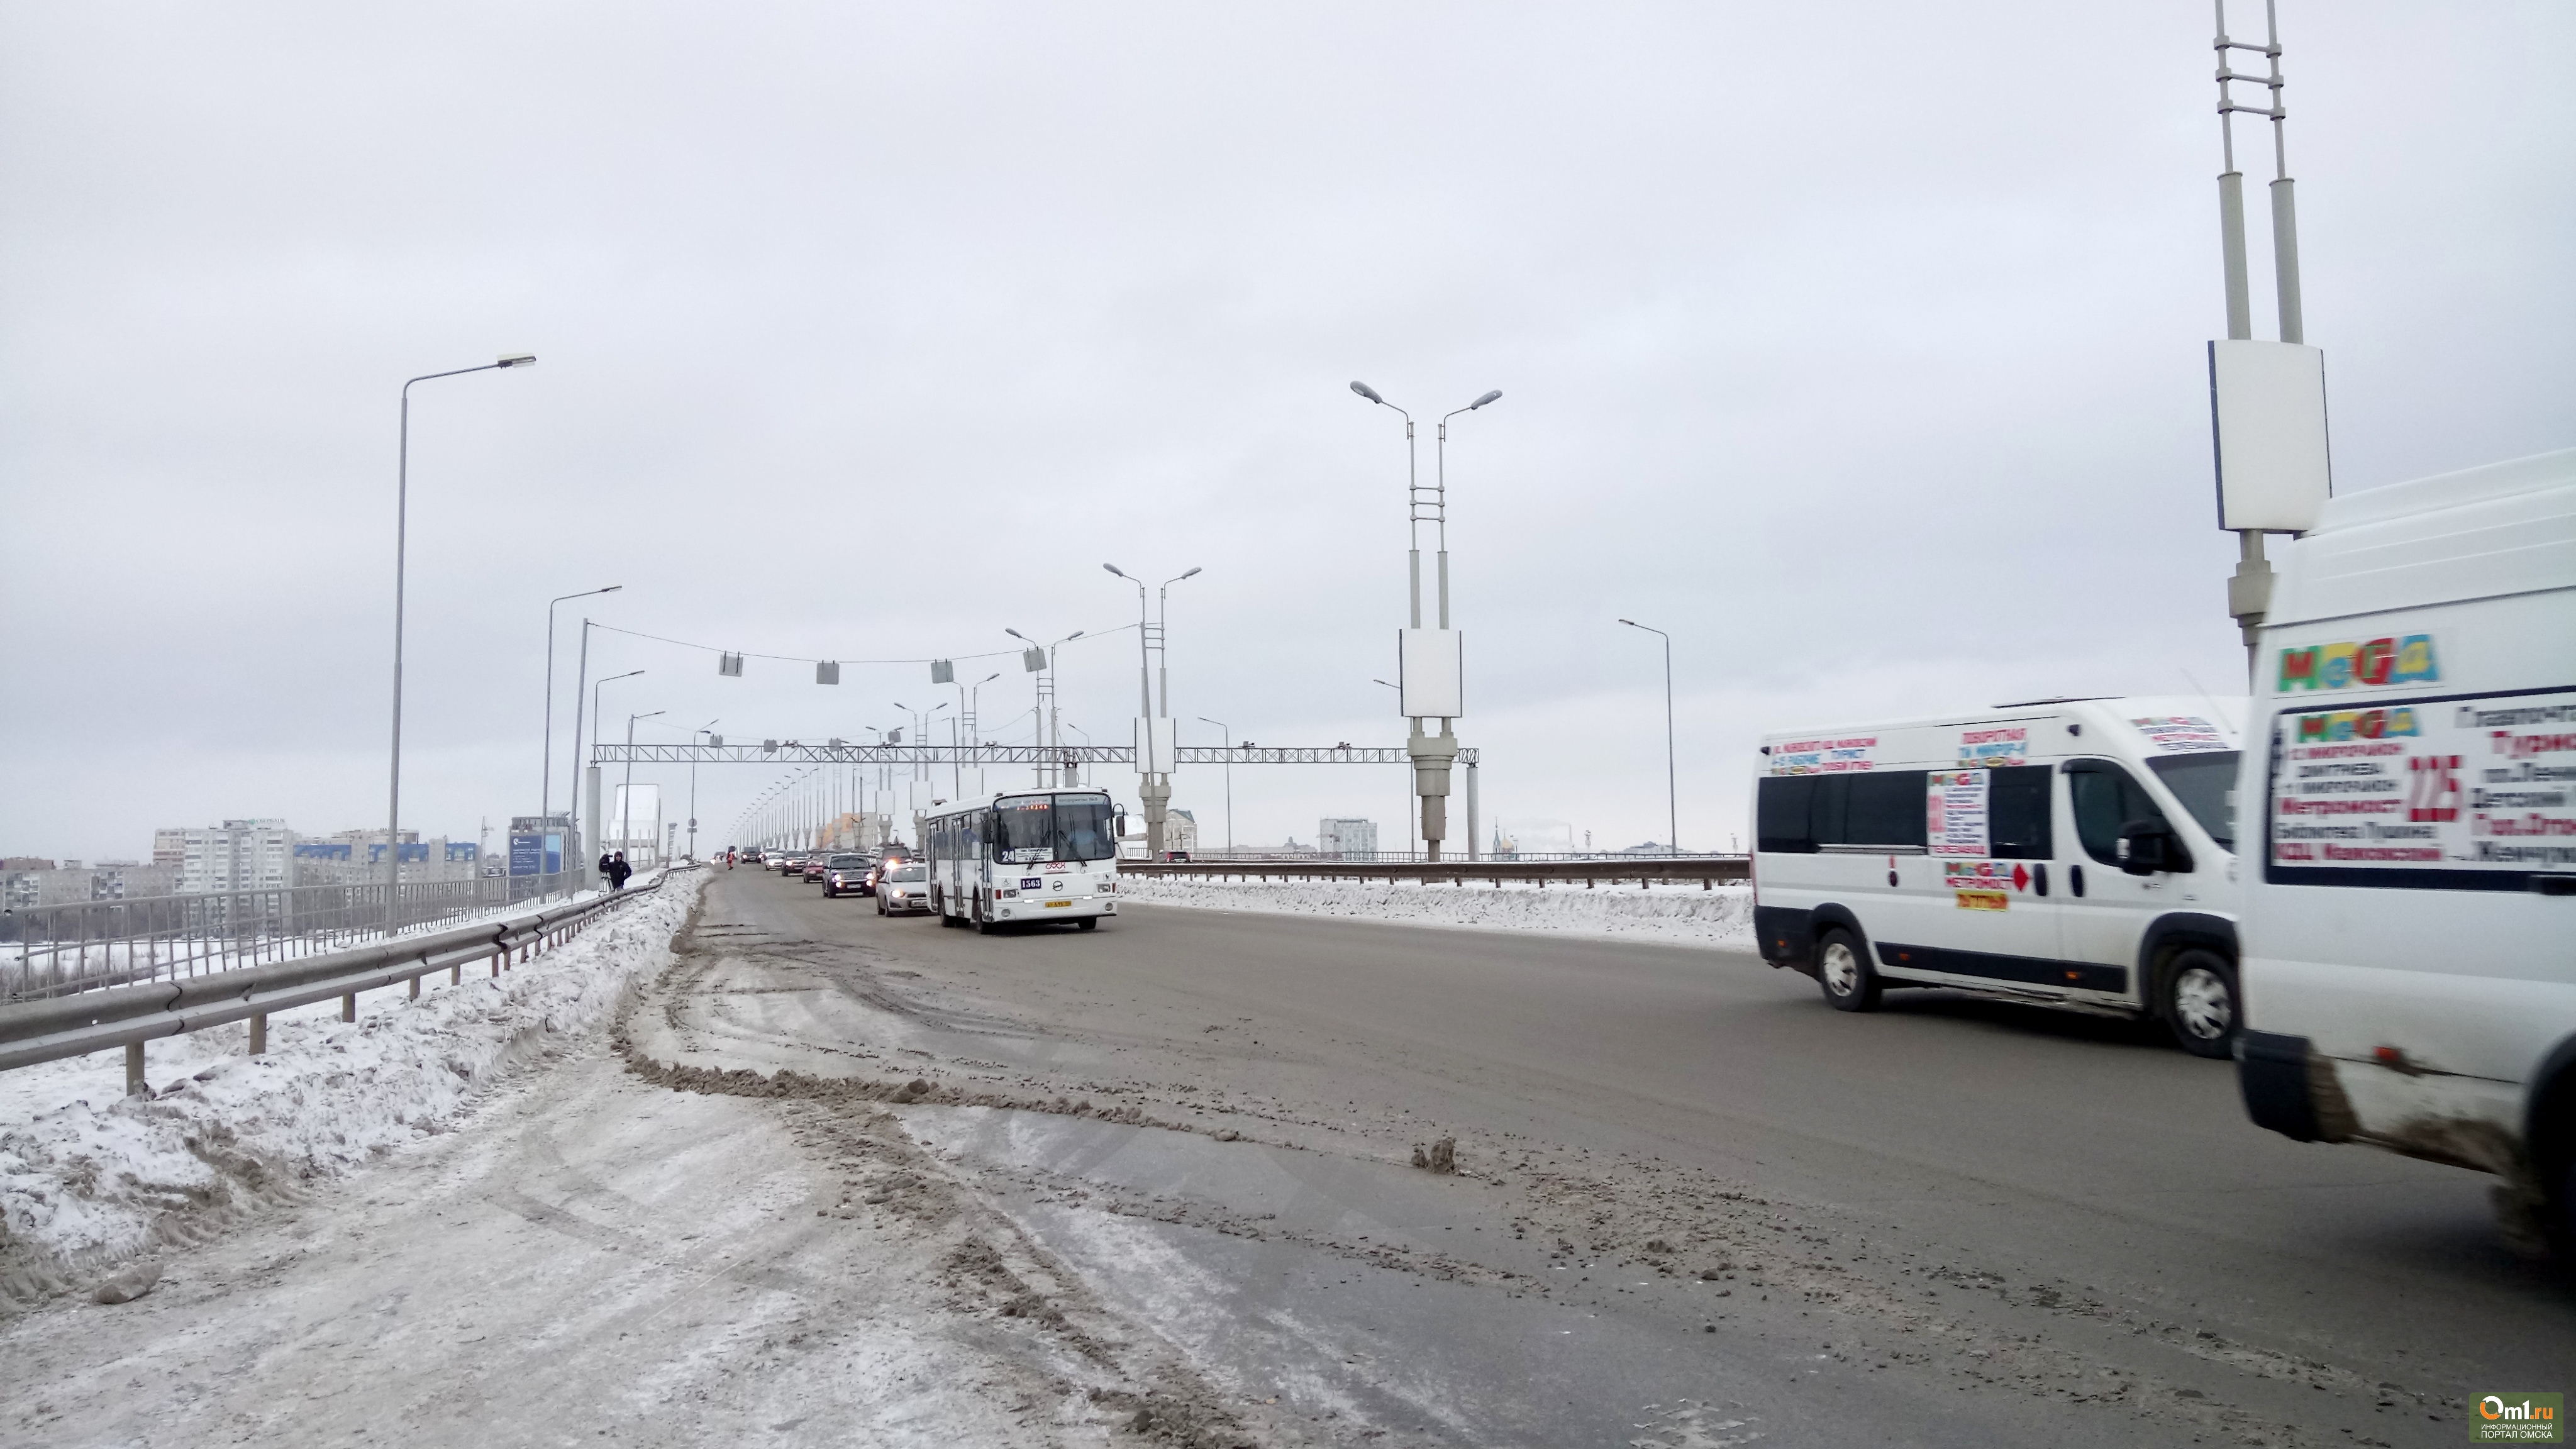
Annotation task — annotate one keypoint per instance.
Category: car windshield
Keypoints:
(2206, 786)
(912, 872)
(1062, 827)
(849, 862)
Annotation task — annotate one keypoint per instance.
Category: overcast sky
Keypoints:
(1859, 347)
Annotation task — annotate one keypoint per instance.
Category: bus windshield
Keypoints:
(1062, 827)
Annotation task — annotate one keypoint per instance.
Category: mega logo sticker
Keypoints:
(2369, 664)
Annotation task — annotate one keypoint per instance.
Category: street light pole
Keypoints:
(693, 785)
(1229, 779)
(546, 776)
(626, 792)
(402, 539)
(1432, 754)
(1672, 790)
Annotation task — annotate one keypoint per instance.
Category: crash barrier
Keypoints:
(129, 1016)
(54, 950)
(1708, 870)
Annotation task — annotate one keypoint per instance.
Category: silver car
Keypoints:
(904, 890)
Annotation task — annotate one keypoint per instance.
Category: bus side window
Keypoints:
(2017, 820)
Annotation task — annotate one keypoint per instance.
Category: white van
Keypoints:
(2410, 911)
(2073, 853)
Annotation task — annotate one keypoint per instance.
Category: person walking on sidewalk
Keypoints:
(618, 871)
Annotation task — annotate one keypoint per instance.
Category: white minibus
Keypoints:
(2075, 853)
(1032, 856)
(2410, 913)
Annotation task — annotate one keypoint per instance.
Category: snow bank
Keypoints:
(1683, 914)
(89, 1176)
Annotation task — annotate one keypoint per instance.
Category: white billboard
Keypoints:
(1429, 666)
(2267, 407)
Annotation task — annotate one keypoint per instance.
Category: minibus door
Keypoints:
(2106, 909)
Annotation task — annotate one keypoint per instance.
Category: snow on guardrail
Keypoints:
(1679, 914)
(89, 1176)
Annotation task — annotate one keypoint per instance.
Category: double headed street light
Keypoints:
(402, 528)
(1672, 792)
(1046, 733)
(1431, 688)
(1154, 738)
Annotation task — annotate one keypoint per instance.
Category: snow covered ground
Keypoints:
(89, 1176)
(1683, 914)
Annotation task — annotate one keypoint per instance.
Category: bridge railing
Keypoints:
(84, 945)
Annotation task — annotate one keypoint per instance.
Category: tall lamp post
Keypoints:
(1229, 778)
(1046, 733)
(626, 792)
(402, 530)
(1439, 658)
(693, 785)
(546, 775)
(593, 834)
(1151, 635)
(1672, 791)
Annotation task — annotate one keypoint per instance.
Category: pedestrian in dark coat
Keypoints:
(618, 871)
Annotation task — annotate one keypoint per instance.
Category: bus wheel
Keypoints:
(1849, 982)
(983, 921)
(2199, 1002)
(1088, 923)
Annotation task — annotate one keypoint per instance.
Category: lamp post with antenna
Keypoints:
(402, 538)
(1672, 791)
(1154, 739)
(1431, 657)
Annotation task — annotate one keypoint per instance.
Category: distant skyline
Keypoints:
(1859, 348)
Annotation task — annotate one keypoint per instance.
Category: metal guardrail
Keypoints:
(87, 945)
(1708, 870)
(129, 1016)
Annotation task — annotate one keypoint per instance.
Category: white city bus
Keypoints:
(1031, 856)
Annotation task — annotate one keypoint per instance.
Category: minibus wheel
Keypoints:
(2200, 1002)
(983, 915)
(1843, 968)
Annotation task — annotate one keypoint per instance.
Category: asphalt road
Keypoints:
(843, 1179)
(2014, 1224)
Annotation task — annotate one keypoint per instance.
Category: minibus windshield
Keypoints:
(2206, 786)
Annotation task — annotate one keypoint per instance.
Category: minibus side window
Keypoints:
(2105, 798)
(1886, 809)
(2017, 821)
(1781, 806)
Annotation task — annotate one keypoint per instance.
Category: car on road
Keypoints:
(810, 869)
(887, 859)
(2074, 853)
(904, 889)
(789, 861)
(2410, 898)
(845, 873)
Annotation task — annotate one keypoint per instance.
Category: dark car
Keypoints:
(846, 874)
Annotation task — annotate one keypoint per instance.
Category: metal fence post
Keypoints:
(259, 1035)
(135, 1086)
(349, 1007)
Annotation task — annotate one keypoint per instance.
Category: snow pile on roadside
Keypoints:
(89, 1176)
(1682, 913)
